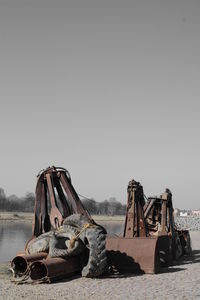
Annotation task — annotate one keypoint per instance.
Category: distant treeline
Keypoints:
(26, 204)
(14, 203)
(109, 207)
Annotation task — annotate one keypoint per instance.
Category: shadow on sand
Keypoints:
(188, 259)
(184, 260)
(175, 267)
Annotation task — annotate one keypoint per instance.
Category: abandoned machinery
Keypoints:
(150, 239)
(66, 240)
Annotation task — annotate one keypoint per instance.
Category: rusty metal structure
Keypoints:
(150, 239)
(55, 200)
(158, 214)
(65, 239)
(21, 262)
(53, 269)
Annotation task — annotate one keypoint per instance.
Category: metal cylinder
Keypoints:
(55, 268)
(22, 260)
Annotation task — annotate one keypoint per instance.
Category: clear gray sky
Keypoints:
(108, 89)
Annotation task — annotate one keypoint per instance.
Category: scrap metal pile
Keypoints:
(66, 240)
(150, 240)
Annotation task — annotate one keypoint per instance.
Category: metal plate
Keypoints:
(139, 254)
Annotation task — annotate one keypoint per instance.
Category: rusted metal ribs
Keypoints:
(60, 245)
(55, 200)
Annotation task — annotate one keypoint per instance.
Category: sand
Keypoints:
(181, 281)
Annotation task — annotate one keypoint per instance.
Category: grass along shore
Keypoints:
(25, 216)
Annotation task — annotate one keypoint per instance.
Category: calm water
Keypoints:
(14, 235)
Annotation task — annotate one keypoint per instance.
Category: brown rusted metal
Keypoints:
(138, 254)
(134, 223)
(158, 214)
(37, 226)
(66, 203)
(142, 248)
(77, 205)
(21, 261)
(55, 268)
(50, 211)
(46, 223)
(56, 217)
(160, 221)
(149, 240)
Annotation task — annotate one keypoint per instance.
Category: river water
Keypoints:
(14, 235)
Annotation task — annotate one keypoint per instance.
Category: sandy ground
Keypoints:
(181, 281)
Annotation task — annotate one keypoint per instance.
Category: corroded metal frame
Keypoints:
(47, 213)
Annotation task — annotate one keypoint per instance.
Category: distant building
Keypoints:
(196, 213)
(186, 213)
(183, 213)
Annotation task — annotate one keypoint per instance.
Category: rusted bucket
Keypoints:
(55, 268)
(22, 260)
(138, 254)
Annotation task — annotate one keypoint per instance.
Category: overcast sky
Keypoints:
(109, 90)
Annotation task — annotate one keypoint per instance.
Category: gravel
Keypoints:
(181, 281)
(189, 223)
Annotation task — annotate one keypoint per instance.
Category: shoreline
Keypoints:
(15, 216)
(26, 216)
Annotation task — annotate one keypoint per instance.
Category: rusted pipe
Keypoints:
(55, 268)
(21, 261)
